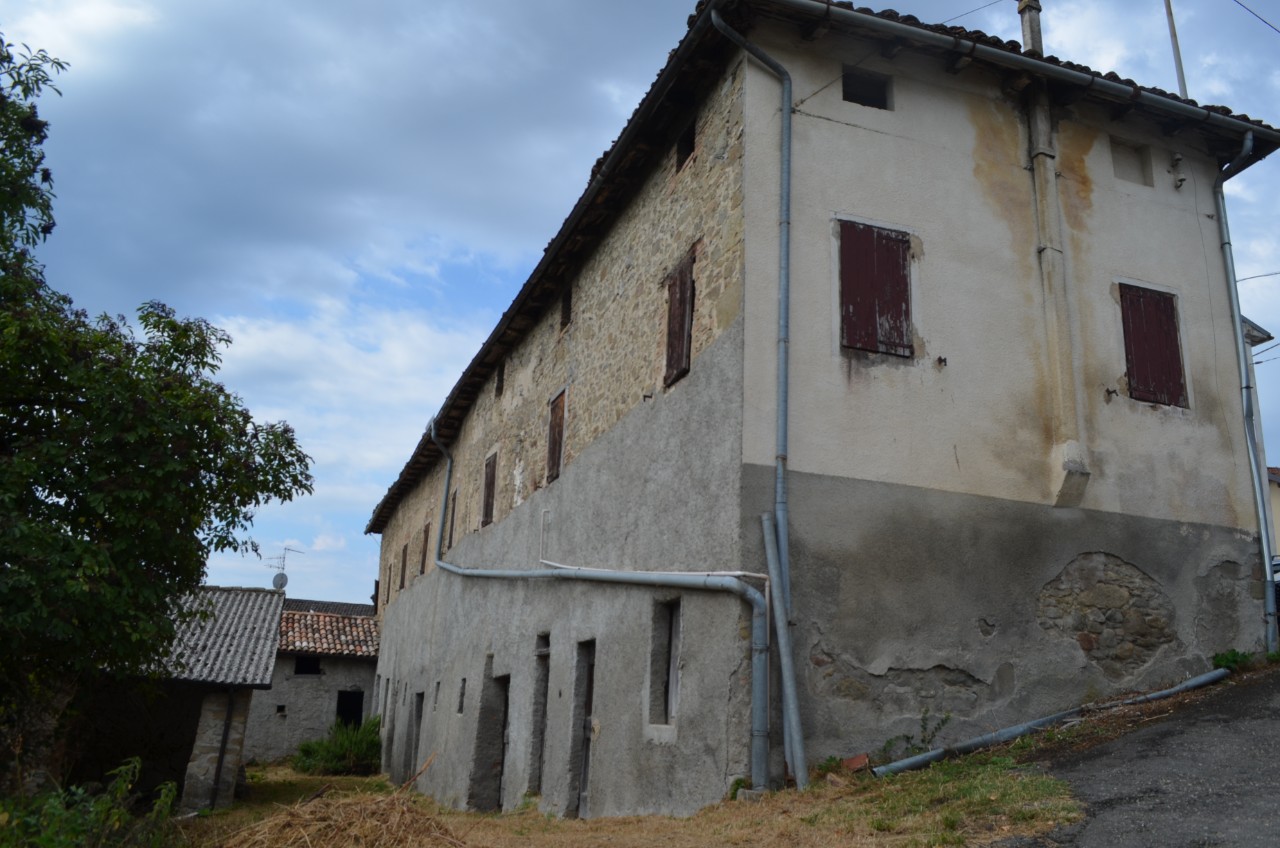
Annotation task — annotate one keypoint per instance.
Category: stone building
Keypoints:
(939, 333)
(324, 673)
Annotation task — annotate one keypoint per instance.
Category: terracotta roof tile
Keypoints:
(328, 634)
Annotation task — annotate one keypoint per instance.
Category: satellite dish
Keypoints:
(280, 580)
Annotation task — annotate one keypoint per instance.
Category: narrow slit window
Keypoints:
(435, 698)
(453, 514)
(1152, 348)
(664, 663)
(404, 562)
(685, 143)
(680, 295)
(566, 306)
(462, 695)
(555, 438)
(865, 88)
(875, 289)
(490, 484)
(426, 548)
(500, 379)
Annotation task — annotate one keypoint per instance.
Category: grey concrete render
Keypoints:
(299, 707)
(657, 493)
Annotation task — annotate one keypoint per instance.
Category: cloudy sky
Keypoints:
(356, 191)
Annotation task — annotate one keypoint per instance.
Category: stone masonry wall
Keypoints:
(197, 789)
(612, 354)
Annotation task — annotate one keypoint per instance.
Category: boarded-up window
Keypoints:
(490, 484)
(404, 562)
(875, 290)
(426, 547)
(1152, 352)
(555, 437)
(680, 296)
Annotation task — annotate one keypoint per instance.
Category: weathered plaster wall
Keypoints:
(972, 411)
(992, 610)
(610, 358)
(310, 704)
(649, 482)
(202, 769)
(657, 492)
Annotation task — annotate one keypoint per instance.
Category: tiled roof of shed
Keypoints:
(236, 644)
(663, 111)
(328, 634)
(335, 607)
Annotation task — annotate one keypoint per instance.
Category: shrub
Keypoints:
(1232, 660)
(348, 749)
(78, 818)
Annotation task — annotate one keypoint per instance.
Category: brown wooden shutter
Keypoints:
(875, 289)
(490, 484)
(555, 438)
(1152, 352)
(679, 321)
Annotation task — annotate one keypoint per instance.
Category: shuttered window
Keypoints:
(875, 289)
(490, 484)
(1152, 352)
(679, 320)
(555, 437)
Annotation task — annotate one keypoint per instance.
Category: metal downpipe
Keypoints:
(780, 509)
(759, 613)
(1260, 500)
(793, 733)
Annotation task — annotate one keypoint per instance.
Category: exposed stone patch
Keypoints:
(1221, 592)
(900, 691)
(1118, 616)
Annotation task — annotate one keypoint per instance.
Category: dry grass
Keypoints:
(970, 801)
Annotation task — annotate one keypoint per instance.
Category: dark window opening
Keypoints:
(281, 709)
(415, 738)
(426, 547)
(566, 305)
(462, 695)
(377, 594)
(664, 662)
(500, 379)
(1152, 351)
(490, 485)
(865, 88)
(350, 709)
(680, 294)
(875, 289)
(541, 687)
(685, 143)
(555, 438)
(404, 562)
(306, 665)
(435, 699)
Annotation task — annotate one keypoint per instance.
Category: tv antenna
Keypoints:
(278, 563)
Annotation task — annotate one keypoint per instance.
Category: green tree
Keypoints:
(123, 462)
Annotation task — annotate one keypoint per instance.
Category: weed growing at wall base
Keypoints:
(348, 749)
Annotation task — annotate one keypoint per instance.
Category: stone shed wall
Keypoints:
(309, 704)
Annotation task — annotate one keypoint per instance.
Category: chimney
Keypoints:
(1029, 10)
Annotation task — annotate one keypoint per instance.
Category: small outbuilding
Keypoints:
(324, 673)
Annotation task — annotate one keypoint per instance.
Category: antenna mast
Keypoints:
(1177, 52)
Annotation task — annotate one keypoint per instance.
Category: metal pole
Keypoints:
(1177, 53)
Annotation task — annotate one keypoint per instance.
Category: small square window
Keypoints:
(865, 88)
(875, 289)
(280, 709)
(1152, 348)
(306, 665)
(1131, 162)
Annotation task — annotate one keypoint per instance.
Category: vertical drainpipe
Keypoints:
(1256, 474)
(780, 510)
(1070, 460)
(777, 538)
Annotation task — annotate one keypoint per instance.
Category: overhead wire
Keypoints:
(971, 11)
(1256, 15)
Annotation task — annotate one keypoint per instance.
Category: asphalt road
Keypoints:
(1209, 775)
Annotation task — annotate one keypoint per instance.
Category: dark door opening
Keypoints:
(487, 767)
(584, 684)
(541, 681)
(415, 736)
(351, 707)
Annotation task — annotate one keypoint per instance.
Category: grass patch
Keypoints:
(348, 749)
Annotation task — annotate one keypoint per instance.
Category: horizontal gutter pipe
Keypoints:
(745, 575)
(780, 507)
(1115, 90)
(1261, 501)
(1008, 734)
(759, 613)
